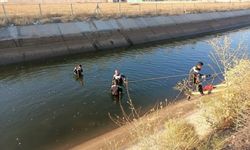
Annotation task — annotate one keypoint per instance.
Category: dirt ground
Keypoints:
(240, 140)
(186, 109)
(119, 136)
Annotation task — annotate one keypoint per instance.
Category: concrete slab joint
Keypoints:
(58, 39)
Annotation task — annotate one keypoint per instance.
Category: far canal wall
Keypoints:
(34, 42)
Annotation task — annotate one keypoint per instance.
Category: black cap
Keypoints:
(200, 63)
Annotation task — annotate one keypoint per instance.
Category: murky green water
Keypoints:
(42, 106)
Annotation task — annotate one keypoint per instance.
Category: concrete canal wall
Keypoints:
(33, 42)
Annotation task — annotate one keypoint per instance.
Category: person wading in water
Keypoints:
(116, 90)
(119, 78)
(118, 81)
(78, 71)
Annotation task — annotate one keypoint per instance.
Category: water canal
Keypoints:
(43, 106)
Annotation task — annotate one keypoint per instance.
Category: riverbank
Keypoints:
(120, 138)
(239, 139)
(37, 42)
(187, 124)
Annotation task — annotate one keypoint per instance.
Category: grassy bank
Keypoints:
(212, 116)
(196, 124)
(23, 14)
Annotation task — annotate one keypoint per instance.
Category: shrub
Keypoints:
(179, 135)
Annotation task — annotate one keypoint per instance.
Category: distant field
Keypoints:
(29, 13)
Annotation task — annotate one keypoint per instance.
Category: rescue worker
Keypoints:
(119, 78)
(116, 90)
(78, 70)
(195, 78)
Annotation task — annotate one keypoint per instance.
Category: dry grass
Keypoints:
(139, 127)
(179, 135)
(219, 112)
(225, 110)
(228, 109)
(21, 14)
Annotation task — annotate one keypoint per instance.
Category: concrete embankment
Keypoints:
(33, 42)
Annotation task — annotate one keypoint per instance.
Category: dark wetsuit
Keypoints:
(119, 79)
(116, 90)
(78, 71)
(117, 84)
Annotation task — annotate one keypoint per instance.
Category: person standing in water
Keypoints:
(118, 81)
(119, 78)
(116, 90)
(78, 70)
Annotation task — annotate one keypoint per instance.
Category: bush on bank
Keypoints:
(223, 110)
(227, 109)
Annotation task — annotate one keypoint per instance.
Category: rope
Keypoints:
(127, 90)
(158, 78)
(165, 77)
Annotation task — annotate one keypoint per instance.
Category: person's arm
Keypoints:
(113, 80)
(197, 78)
(123, 77)
(204, 76)
(112, 89)
(124, 80)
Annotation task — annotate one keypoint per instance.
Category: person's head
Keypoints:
(199, 65)
(117, 72)
(80, 65)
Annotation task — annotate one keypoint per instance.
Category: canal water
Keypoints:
(42, 106)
